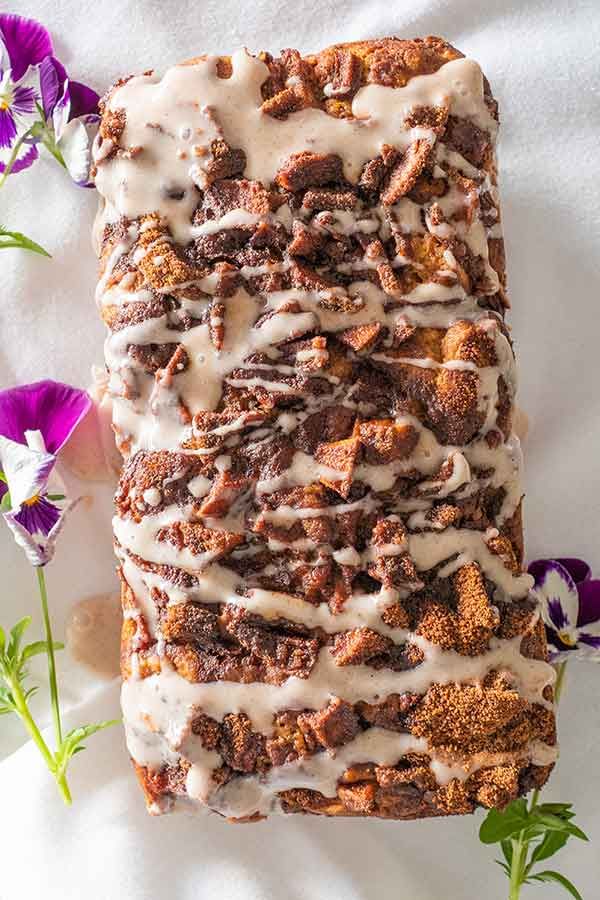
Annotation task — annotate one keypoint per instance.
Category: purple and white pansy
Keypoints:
(39, 104)
(570, 606)
(36, 421)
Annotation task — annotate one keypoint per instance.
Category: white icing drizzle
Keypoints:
(171, 123)
(168, 701)
(426, 549)
(260, 701)
(379, 116)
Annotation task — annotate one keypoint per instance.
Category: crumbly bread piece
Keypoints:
(318, 521)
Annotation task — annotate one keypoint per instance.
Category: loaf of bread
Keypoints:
(318, 523)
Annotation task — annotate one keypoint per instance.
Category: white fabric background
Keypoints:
(541, 59)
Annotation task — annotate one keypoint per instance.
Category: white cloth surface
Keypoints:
(541, 59)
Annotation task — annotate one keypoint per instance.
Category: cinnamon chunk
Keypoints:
(405, 173)
(302, 170)
(225, 163)
(333, 726)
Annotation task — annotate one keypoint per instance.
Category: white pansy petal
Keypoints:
(26, 471)
(558, 596)
(4, 57)
(60, 115)
(36, 553)
(75, 145)
(35, 441)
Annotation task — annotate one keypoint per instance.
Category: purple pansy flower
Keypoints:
(570, 607)
(23, 45)
(73, 109)
(31, 78)
(36, 420)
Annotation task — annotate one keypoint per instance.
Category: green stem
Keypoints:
(47, 137)
(534, 799)
(50, 145)
(519, 857)
(560, 677)
(51, 658)
(35, 734)
(516, 869)
(13, 156)
(63, 786)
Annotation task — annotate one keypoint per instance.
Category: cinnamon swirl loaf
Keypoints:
(318, 522)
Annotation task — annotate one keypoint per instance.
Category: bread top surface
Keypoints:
(325, 231)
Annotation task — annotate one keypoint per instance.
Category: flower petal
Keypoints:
(61, 112)
(18, 118)
(53, 81)
(76, 101)
(556, 656)
(29, 154)
(592, 640)
(556, 592)
(554, 615)
(26, 471)
(84, 99)
(578, 569)
(39, 516)
(589, 602)
(53, 408)
(8, 128)
(26, 41)
(23, 101)
(38, 552)
(75, 145)
(35, 552)
(588, 642)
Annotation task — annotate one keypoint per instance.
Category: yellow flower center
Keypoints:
(567, 638)
(6, 91)
(32, 500)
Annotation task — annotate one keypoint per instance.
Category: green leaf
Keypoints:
(555, 823)
(507, 850)
(20, 241)
(556, 809)
(16, 636)
(556, 877)
(6, 701)
(85, 731)
(534, 831)
(2, 640)
(72, 742)
(497, 826)
(563, 811)
(30, 693)
(552, 843)
(39, 647)
(6, 502)
(576, 832)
